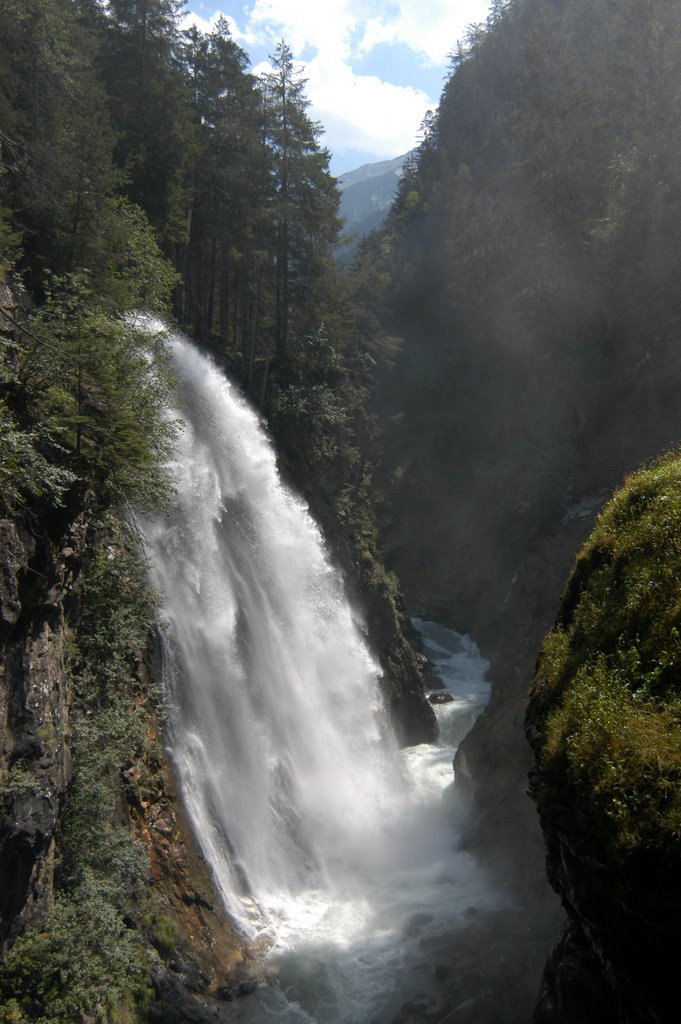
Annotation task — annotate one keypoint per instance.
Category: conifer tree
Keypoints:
(304, 196)
(148, 108)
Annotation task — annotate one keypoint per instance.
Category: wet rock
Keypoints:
(171, 993)
(440, 697)
(188, 974)
(574, 987)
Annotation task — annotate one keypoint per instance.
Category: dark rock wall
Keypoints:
(36, 582)
(618, 956)
(508, 599)
(494, 759)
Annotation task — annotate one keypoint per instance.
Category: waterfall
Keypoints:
(311, 819)
(277, 730)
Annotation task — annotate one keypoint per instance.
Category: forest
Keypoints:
(456, 406)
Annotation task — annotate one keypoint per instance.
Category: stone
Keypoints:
(440, 696)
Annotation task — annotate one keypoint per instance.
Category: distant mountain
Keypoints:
(366, 196)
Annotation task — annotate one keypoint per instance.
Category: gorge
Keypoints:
(454, 408)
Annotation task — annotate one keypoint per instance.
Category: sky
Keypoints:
(373, 67)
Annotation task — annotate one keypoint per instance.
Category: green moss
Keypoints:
(165, 934)
(607, 697)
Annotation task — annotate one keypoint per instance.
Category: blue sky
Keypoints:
(374, 67)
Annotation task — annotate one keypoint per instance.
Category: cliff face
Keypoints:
(36, 584)
(200, 957)
(390, 636)
(493, 760)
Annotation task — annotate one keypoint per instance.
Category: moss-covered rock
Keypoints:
(606, 702)
(604, 721)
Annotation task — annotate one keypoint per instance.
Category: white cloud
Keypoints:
(207, 25)
(363, 111)
(323, 25)
(431, 29)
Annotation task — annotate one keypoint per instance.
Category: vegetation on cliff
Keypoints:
(88, 955)
(83, 391)
(606, 702)
(530, 262)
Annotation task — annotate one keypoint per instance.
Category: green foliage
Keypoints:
(86, 962)
(608, 688)
(150, 106)
(126, 270)
(117, 612)
(317, 402)
(10, 241)
(85, 394)
(29, 464)
(89, 958)
(164, 934)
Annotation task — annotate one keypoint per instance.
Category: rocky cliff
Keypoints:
(195, 960)
(36, 588)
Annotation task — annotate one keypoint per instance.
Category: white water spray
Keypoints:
(319, 832)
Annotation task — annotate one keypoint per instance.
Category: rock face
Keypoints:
(39, 603)
(618, 956)
(411, 714)
(493, 761)
(35, 586)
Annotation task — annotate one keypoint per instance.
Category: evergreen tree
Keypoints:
(148, 107)
(225, 203)
(63, 141)
(304, 198)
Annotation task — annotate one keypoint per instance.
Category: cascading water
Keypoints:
(321, 835)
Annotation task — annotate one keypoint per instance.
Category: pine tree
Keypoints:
(63, 143)
(225, 188)
(148, 107)
(304, 197)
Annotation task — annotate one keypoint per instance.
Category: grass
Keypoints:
(606, 702)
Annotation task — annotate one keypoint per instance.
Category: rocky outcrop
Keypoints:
(603, 724)
(388, 633)
(493, 761)
(617, 958)
(573, 984)
(36, 581)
